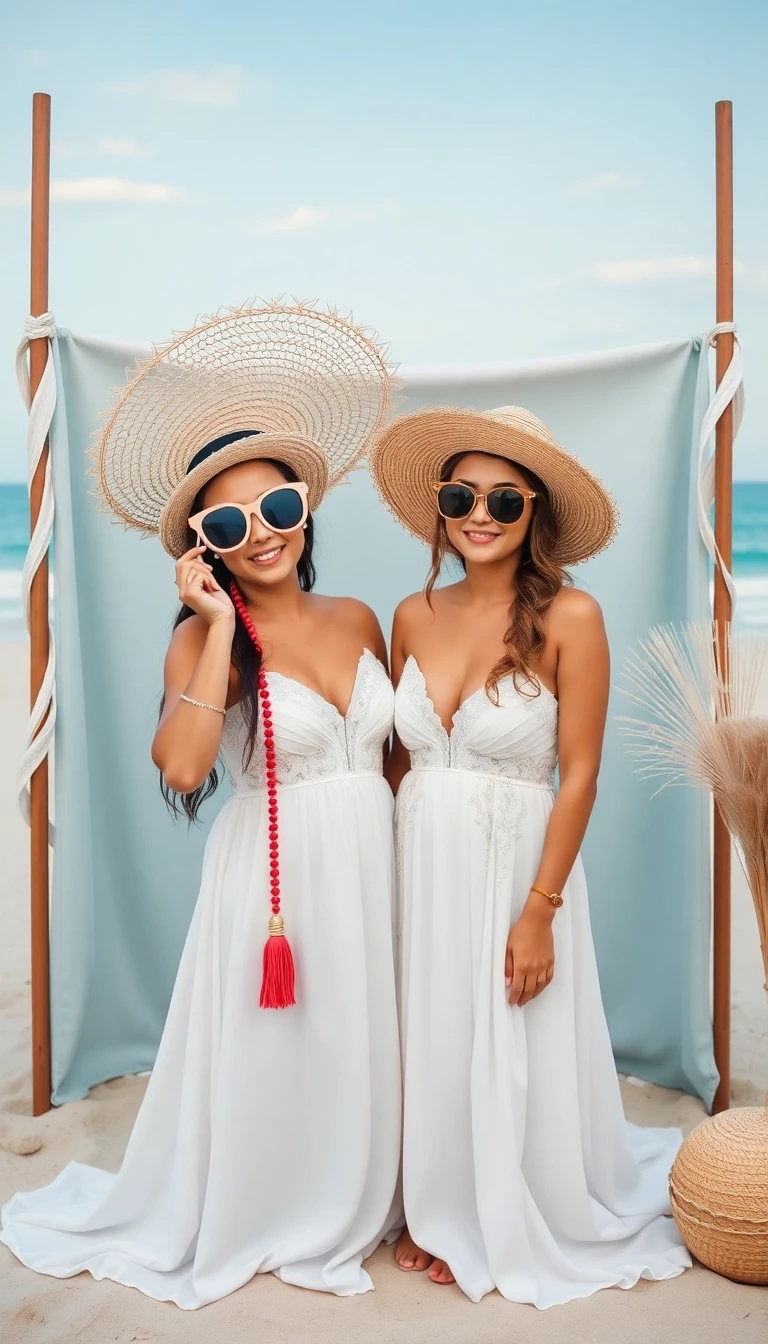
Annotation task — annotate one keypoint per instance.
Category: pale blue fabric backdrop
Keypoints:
(125, 876)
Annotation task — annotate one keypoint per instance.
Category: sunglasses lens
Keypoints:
(225, 528)
(505, 506)
(283, 509)
(455, 501)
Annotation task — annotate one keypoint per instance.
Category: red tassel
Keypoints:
(278, 975)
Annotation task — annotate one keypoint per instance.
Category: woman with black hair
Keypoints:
(268, 1140)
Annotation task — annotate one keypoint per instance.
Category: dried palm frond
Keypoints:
(699, 728)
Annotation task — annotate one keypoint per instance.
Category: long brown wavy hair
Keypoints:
(538, 580)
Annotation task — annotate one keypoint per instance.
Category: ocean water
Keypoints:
(750, 556)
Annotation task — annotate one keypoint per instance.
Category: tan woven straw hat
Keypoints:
(409, 454)
(283, 381)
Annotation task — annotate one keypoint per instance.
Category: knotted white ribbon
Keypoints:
(731, 389)
(40, 416)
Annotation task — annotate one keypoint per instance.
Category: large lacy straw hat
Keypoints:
(409, 454)
(282, 381)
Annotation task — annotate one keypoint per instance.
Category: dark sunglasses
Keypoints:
(505, 504)
(227, 527)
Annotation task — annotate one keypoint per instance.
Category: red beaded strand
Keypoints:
(278, 973)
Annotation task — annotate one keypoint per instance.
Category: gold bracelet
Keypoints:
(201, 704)
(552, 896)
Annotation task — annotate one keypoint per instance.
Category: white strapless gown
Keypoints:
(519, 1168)
(268, 1140)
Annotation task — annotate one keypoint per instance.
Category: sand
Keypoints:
(698, 1306)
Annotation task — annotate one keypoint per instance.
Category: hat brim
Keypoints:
(409, 454)
(283, 369)
(304, 457)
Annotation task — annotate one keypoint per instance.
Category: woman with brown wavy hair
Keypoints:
(519, 1171)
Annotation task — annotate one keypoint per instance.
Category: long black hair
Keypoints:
(245, 660)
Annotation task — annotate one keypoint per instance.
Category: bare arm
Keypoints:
(583, 672)
(198, 664)
(398, 762)
(583, 677)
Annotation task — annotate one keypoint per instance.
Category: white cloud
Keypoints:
(301, 220)
(601, 183)
(645, 271)
(219, 86)
(101, 190)
(650, 270)
(308, 217)
(121, 149)
(67, 149)
(33, 58)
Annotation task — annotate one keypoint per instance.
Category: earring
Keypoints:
(305, 527)
(216, 556)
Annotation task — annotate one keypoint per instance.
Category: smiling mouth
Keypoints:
(481, 538)
(265, 558)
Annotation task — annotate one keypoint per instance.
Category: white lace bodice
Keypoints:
(312, 739)
(515, 740)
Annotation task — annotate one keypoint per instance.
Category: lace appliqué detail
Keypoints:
(233, 739)
(498, 814)
(408, 802)
(313, 740)
(535, 769)
(362, 729)
(436, 755)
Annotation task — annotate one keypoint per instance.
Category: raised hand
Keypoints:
(199, 590)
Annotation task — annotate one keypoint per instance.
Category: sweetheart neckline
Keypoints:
(467, 700)
(294, 681)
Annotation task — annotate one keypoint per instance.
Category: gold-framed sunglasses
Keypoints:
(227, 527)
(505, 504)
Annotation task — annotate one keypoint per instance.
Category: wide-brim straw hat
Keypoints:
(409, 454)
(312, 388)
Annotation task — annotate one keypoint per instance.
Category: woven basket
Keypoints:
(718, 1190)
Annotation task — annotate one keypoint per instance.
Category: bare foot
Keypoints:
(410, 1256)
(439, 1272)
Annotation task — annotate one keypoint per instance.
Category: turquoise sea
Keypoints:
(750, 556)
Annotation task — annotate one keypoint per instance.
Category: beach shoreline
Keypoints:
(405, 1307)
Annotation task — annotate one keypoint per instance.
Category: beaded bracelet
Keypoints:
(201, 704)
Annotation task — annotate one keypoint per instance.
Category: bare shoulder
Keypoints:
(576, 630)
(356, 619)
(575, 611)
(349, 611)
(412, 611)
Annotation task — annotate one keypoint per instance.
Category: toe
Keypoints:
(409, 1256)
(440, 1273)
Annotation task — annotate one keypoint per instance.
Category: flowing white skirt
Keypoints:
(267, 1140)
(519, 1168)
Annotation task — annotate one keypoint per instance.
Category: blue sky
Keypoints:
(477, 181)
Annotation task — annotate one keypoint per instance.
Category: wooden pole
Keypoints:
(39, 872)
(721, 930)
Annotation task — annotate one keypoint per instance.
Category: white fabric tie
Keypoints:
(731, 389)
(40, 417)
